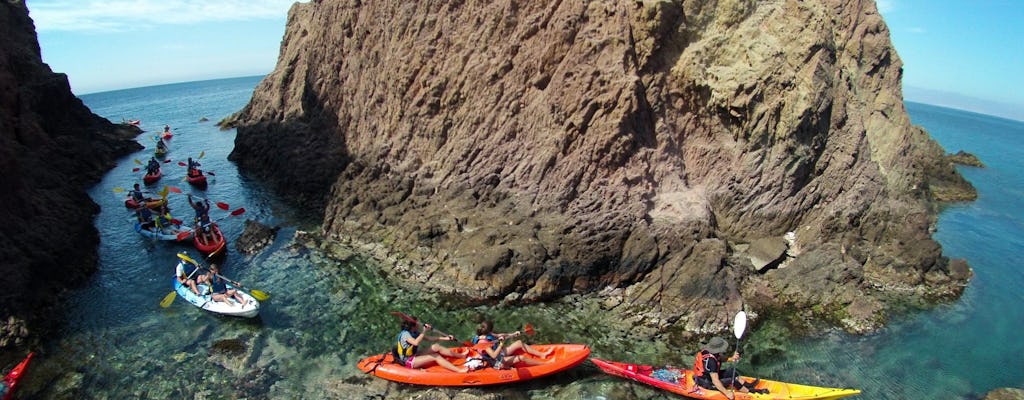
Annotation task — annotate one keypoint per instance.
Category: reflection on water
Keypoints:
(324, 315)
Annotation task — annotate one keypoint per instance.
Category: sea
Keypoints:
(323, 315)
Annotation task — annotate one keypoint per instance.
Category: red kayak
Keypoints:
(12, 378)
(213, 246)
(151, 179)
(199, 181)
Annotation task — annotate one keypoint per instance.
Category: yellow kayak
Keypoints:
(680, 381)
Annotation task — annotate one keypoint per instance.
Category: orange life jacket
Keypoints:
(700, 363)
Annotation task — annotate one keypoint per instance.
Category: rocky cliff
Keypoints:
(51, 148)
(525, 149)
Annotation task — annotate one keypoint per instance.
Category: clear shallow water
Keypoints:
(324, 315)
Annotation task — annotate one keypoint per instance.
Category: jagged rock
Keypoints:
(1005, 394)
(964, 158)
(203, 119)
(255, 237)
(51, 148)
(545, 148)
(766, 251)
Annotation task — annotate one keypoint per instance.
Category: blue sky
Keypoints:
(956, 53)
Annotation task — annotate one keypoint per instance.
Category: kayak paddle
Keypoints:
(402, 315)
(739, 324)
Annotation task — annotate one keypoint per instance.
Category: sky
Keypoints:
(965, 54)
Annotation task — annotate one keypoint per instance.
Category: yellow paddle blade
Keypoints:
(260, 295)
(187, 259)
(202, 153)
(137, 161)
(118, 190)
(168, 299)
(163, 193)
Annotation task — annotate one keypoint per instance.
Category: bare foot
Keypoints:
(547, 353)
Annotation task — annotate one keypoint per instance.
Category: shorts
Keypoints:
(408, 361)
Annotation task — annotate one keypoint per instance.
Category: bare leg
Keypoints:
(446, 351)
(519, 345)
(427, 359)
(514, 360)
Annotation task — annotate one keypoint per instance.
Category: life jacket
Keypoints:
(402, 349)
(700, 370)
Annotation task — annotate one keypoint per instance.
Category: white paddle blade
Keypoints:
(739, 324)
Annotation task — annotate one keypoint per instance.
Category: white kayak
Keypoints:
(165, 233)
(230, 307)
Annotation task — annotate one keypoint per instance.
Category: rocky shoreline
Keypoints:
(642, 148)
(52, 148)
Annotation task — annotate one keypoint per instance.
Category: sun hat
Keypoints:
(716, 345)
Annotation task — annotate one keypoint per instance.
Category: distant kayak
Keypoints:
(230, 307)
(12, 378)
(680, 381)
(199, 181)
(151, 179)
(564, 357)
(160, 152)
(167, 233)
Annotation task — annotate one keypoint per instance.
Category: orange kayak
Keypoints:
(12, 378)
(564, 357)
(680, 381)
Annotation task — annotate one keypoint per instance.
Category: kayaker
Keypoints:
(202, 209)
(408, 342)
(707, 372)
(161, 146)
(186, 275)
(153, 166)
(193, 168)
(220, 289)
(497, 357)
(145, 217)
(485, 334)
(136, 194)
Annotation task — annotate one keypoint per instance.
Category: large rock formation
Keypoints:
(51, 148)
(543, 148)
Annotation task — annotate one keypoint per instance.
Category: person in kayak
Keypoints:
(485, 334)
(186, 275)
(145, 217)
(407, 345)
(161, 146)
(136, 194)
(202, 209)
(220, 289)
(497, 357)
(707, 372)
(193, 168)
(153, 166)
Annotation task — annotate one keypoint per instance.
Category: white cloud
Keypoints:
(125, 15)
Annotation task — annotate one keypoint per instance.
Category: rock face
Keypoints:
(544, 148)
(51, 148)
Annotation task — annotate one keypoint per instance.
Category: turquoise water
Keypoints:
(324, 315)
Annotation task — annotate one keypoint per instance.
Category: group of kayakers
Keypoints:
(497, 355)
(500, 351)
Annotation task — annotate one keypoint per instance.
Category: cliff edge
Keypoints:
(51, 149)
(692, 157)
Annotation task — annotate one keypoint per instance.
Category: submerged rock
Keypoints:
(255, 237)
(1005, 394)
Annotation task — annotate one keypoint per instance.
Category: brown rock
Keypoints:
(548, 148)
(766, 251)
(51, 148)
(1005, 394)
